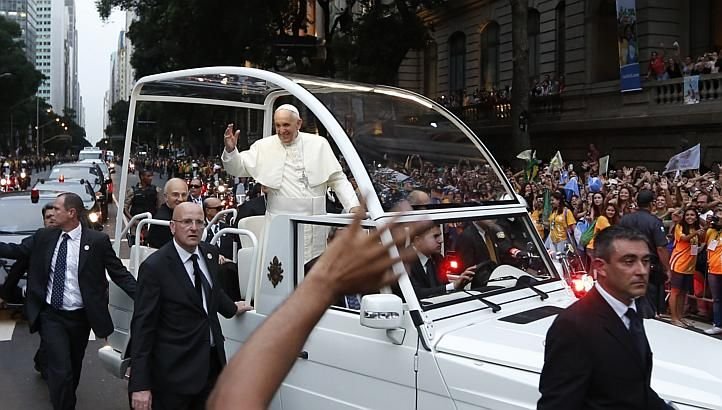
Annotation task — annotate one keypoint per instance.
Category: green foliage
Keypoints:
(20, 80)
(173, 34)
(118, 116)
(379, 41)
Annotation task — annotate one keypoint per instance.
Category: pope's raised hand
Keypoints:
(230, 138)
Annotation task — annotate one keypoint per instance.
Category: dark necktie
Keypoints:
(61, 263)
(431, 272)
(199, 279)
(636, 329)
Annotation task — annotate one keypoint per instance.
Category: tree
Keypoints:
(118, 116)
(520, 80)
(20, 79)
(172, 34)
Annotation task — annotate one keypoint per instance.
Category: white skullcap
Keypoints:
(289, 107)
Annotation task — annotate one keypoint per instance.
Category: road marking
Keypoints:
(6, 330)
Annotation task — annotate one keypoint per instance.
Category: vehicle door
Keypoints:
(345, 365)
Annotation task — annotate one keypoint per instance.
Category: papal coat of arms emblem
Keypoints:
(275, 272)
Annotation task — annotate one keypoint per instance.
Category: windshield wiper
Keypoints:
(526, 281)
(494, 307)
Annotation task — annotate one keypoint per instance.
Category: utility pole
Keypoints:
(37, 123)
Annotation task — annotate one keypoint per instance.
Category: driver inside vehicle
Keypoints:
(424, 272)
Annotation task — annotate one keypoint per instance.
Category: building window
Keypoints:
(533, 37)
(489, 56)
(561, 40)
(431, 60)
(457, 62)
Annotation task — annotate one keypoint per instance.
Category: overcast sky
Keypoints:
(97, 40)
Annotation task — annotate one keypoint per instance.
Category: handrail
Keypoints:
(138, 229)
(250, 235)
(223, 212)
(137, 217)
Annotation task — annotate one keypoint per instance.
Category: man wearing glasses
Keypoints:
(177, 345)
(195, 192)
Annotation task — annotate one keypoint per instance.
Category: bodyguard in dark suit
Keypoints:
(596, 353)
(67, 292)
(176, 340)
(423, 272)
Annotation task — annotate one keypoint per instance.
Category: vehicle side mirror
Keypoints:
(381, 311)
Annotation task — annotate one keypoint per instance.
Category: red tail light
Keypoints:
(34, 195)
(450, 265)
(62, 178)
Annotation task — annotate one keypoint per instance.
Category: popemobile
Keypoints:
(481, 347)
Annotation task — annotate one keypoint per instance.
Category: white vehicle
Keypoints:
(90, 153)
(481, 348)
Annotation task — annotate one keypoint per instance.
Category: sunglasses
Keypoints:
(195, 186)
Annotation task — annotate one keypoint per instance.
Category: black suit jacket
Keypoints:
(225, 243)
(170, 329)
(96, 256)
(590, 362)
(423, 285)
(157, 235)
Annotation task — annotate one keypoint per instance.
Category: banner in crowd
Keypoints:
(603, 165)
(683, 161)
(627, 41)
(691, 89)
(556, 162)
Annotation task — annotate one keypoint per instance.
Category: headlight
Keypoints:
(22, 175)
(221, 189)
(3, 181)
(94, 217)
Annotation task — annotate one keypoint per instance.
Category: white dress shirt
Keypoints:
(72, 299)
(618, 307)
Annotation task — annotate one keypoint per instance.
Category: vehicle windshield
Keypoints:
(503, 251)
(83, 190)
(26, 216)
(81, 172)
(403, 140)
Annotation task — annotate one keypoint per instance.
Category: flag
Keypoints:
(603, 165)
(594, 184)
(683, 161)
(556, 162)
(572, 187)
(547, 205)
(526, 155)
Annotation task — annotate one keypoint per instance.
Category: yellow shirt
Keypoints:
(536, 217)
(682, 260)
(559, 223)
(714, 257)
(602, 224)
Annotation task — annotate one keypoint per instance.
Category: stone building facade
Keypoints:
(470, 51)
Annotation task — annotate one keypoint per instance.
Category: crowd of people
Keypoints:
(663, 67)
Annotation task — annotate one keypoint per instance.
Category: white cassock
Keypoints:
(297, 176)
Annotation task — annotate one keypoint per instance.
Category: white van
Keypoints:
(480, 348)
(90, 153)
